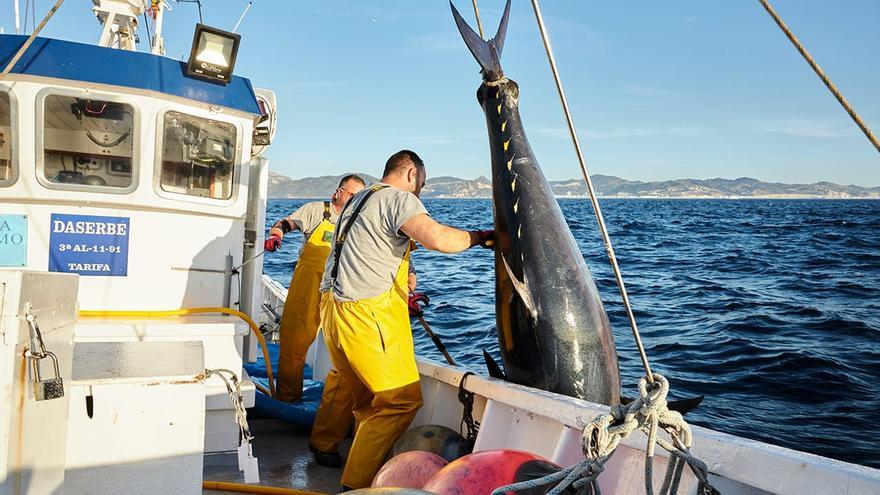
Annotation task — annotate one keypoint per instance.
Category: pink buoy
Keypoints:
(409, 469)
(481, 472)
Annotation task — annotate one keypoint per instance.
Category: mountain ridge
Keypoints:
(609, 186)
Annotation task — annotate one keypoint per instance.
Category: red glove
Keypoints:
(272, 243)
(415, 309)
(485, 238)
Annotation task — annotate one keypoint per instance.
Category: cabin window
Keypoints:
(198, 156)
(7, 174)
(87, 144)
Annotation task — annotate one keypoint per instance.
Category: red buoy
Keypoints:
(481, 472)
(409, 469)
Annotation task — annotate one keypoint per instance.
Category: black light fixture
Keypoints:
(213, 54)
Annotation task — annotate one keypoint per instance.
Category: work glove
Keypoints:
(415, 308)
(485, 238)
(272, 243)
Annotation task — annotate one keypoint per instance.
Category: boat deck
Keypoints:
(284, 460)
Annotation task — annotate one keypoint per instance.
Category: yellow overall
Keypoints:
(371, 346)
(301, 317)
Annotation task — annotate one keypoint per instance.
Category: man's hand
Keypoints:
(415, 308)
(484, 238)
(272, 243)
(411, 282)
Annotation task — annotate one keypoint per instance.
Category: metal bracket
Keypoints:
(250, 238)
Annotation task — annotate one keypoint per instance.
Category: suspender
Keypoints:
(343, 233)
(326, 210)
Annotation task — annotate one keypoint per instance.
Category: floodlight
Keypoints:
(213, 54)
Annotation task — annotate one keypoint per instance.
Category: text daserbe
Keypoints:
(94, 228)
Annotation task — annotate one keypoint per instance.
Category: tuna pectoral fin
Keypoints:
(495, 370)
(520, 286)
(683, 406)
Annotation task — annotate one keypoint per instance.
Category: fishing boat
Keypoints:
(132, 206)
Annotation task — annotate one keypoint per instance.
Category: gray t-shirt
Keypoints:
(375, 247)
(308, 216)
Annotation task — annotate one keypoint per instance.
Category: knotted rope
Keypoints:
(468, 422)
(601, 437)
(236, 397)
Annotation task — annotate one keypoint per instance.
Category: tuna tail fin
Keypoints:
(487, 53)
(492, 366)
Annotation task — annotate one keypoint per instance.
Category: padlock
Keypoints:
(53, 388)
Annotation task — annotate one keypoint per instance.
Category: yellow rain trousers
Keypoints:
(301, 317)
(371, 346)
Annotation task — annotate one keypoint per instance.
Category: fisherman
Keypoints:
(301, 318)
(364, 309)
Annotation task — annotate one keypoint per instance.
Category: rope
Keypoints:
(236, 396)
(468, 422)
(479, 22)
(595, 202)
(821, 73)
(601, 437)
(30, 39)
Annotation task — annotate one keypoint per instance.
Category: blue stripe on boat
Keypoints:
(81, 62)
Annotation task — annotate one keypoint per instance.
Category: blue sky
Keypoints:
(659, 90)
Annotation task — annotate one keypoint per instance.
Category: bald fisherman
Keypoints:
(364, 311)
(300, 320)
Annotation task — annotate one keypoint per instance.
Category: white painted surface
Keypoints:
(145, 437)
(170, 234)
(33, 434)
(221, 337)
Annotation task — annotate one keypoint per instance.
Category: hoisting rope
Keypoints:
(648, 413)
(821, 73)
(479, 22)
(189, 311)
(30, 40)
(595, 202)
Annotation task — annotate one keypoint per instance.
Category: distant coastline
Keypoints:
(607, 187)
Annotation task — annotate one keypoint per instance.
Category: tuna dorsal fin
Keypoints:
(520, 286)
(492, 366)
(487, 53)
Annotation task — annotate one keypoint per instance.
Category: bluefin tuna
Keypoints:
(553, 330)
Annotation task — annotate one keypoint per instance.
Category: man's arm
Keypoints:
(438, 237)
(282, 227)
(276, 233)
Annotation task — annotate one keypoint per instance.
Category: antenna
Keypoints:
(17, 17)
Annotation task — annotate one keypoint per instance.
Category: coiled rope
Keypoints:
(601, 437)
